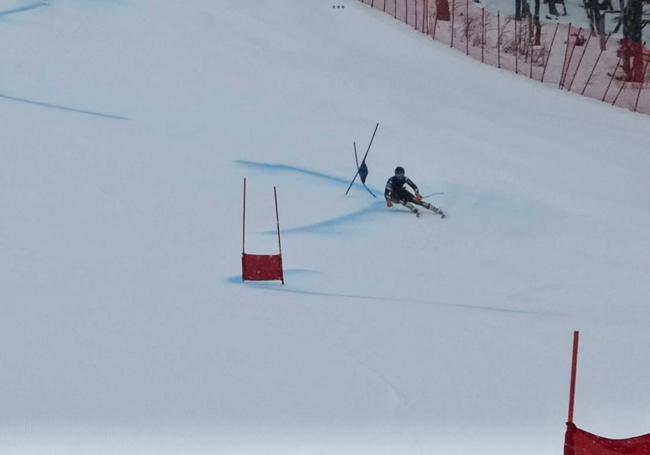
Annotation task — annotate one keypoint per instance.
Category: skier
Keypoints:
(395, 192)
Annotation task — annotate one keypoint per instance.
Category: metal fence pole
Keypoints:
(548, 57)
(595, 64)
(612, 78)
(638, 95)
(517, 48)
(482, 35)
(566, 52)
(466, 27)
(453, 16)
(584, 51)
(568, 65)
(498, 39)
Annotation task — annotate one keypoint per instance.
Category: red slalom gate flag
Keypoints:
(262, 267)
(580, 442)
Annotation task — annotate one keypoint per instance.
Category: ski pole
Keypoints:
(432, 194)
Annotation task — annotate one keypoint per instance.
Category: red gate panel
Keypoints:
(580, 442)
(262, 267)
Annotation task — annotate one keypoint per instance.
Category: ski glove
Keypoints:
(389, 203)
(418, 197)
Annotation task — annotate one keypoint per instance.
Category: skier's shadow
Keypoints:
(327, 224)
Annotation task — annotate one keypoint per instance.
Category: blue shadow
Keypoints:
(293, 169)
(330, 224)
(277, 287)
(62, 108)
(325, 226)
(21, 9)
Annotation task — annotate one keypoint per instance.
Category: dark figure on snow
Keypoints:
(396, 193)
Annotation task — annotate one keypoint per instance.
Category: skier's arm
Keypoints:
(410, 183)
(418, 196)
(388, 192)
(389, 189)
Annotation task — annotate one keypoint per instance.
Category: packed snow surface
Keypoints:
(127, 129)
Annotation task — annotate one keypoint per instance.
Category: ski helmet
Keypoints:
(399, 170)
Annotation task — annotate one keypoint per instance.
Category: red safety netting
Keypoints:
(580, 442)
(571, 58)
(262, 267)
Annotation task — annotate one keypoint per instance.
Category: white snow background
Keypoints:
(127, 129)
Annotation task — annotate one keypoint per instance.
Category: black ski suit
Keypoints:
(395, 192)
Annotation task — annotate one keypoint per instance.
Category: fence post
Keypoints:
(428, 16)
(425, 14)
(619, 92)
(568, 65)
(517, 48)
(416, 14)
(530, 45)
(435, 24)
(584, 51)
(453, 16)
(482, 35)
(595, 64)
(498, 39)
(548, 57)
(566, 53)
(611, 79)
(466, 27)
(638, 95)
(406, 19)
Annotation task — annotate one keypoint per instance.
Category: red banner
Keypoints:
(262, 267)
(580, 442)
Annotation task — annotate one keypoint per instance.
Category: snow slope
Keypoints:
(127, 130)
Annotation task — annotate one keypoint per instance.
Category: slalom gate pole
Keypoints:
(574, 366)
(243, 236)
(566, 53)
(584, 51)
(638, 95)
(548, 57)
(595, 64)
(416, 14)
(612, 78)
(364, 158)
(277, 222)
(395, 9)
(356, 160)
(384, 6)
